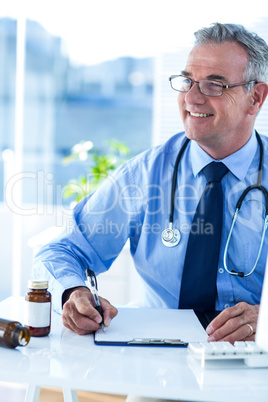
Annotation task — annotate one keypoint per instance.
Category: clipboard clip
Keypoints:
(152, 341)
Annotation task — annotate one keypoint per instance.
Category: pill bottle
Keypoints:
(13, 334)
(37, 309)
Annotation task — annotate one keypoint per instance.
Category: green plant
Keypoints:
(99, 164)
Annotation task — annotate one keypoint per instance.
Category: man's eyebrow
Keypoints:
(185, 73)
(208, 77)
(216, 77)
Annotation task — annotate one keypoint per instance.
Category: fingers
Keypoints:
(109, 311)
(237, 323)
(77, 325)
(240, 334)
(80, 315)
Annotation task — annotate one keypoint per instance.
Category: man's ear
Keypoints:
(257, 97)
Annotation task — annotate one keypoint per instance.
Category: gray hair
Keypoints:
(256, 47)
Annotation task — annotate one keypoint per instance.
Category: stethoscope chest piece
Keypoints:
(171, 237)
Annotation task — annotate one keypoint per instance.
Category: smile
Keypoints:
(200, 114)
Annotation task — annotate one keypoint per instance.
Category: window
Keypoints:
(64, 103)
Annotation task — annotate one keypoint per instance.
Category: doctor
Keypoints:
(221, 89)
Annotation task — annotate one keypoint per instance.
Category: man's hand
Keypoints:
(234, 324)
(80, 315)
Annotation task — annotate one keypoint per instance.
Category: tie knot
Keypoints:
(215, 171)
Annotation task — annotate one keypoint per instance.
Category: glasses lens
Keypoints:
(180, 83)
(211, 88)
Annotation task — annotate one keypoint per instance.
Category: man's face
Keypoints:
(220, 123)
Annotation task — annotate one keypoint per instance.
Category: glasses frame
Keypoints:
(227, 86)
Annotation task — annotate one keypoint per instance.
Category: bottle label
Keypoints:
(36, 315)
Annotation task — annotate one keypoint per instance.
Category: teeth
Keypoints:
(199, 114)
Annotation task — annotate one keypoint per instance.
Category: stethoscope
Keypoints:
(171, 237)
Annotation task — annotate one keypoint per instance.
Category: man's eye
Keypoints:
(214, 84)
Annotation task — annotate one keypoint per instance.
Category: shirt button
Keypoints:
(221, 270)
(226, 305)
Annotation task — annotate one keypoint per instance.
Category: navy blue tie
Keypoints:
(198, 286)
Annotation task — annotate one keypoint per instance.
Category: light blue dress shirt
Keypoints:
(134, 204)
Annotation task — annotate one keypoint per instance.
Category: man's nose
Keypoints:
(194, 95)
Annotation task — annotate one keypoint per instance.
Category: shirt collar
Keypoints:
(238, 162)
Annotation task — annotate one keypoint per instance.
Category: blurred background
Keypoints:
(73, 77)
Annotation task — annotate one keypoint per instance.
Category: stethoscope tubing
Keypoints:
(242, 274)
(174, 179)
(259, 187)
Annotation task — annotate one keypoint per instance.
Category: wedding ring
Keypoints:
(251, 330)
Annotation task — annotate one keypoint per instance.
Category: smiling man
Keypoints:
(220, 92)
(221, 122)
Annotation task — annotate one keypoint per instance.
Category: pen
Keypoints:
(92, 284)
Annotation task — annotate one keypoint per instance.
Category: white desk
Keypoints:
(66, 360)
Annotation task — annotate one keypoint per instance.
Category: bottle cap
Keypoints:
(37, 284)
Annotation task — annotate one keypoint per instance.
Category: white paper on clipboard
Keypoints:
(145, 323)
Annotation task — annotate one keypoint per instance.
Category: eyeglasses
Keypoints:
(207, 87)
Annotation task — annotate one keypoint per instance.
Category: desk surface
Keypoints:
(64, 359)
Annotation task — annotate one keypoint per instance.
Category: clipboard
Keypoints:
(152, 327)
